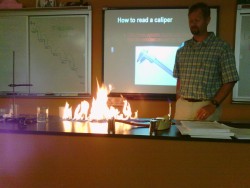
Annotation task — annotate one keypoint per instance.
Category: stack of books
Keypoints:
(205, 129)
(241, 133)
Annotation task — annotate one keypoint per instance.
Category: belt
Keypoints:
(193, 100)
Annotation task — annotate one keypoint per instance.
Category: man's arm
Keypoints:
(178, 87)
(223, 92)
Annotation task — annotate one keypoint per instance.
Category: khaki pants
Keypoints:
(188, 110)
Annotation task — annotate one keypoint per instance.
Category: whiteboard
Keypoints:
(13, 50)
(52, 51)
(241, 92)
(6, 59)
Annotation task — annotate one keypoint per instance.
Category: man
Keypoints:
(205, 70)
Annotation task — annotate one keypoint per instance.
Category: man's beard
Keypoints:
(195, 30)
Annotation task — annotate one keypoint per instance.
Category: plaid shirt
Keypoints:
(203, 67)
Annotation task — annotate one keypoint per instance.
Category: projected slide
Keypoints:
(154, 65)
(140, 47)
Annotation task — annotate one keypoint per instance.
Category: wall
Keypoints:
(67, 161)
(98, 161)
(227, 19)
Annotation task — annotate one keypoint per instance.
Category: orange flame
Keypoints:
(99, 108)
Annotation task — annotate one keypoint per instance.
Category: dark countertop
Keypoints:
(126, 129)
(63, 127)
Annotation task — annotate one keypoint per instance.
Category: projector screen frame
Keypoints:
(146, 95)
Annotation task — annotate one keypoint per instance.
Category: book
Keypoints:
(222, 136)
(205, 129)
(241, 133)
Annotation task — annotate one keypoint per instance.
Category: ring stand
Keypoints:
(14, 85)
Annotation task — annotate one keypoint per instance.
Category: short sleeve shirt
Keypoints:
(203, 67)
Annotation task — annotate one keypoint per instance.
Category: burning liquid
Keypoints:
(100, 111)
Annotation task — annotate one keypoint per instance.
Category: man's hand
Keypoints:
(205, 112)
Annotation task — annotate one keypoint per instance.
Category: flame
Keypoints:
(81, 111)
(67, 114)
(99, 108)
